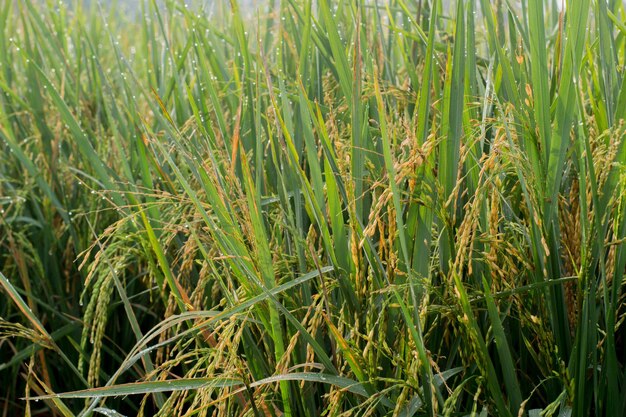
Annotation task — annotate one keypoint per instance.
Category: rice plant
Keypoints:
(342, 208)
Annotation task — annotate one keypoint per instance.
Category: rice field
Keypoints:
(315, 208)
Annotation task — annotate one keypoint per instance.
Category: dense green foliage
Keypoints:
(336, 208)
